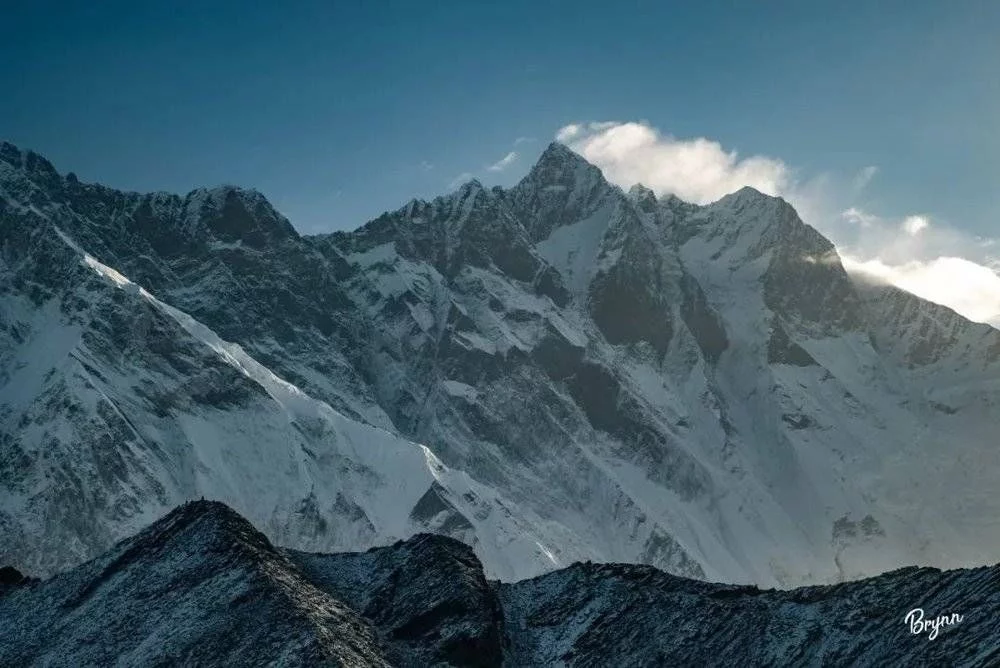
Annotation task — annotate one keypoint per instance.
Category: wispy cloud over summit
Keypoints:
(697, 170)
(504, 162)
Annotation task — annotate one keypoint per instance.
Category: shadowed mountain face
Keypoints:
(553, 373)
(202, 586)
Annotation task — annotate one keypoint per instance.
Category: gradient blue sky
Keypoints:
(340, 110)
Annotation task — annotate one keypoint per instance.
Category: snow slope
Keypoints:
(311, 476)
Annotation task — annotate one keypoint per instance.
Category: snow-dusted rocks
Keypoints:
(202, 586)
(552, 373)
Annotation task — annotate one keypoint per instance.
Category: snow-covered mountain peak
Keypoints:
(750, 212)
(761, 240)
(27, 177)
(473, 185)
(559, 169)
(643, 198)
(468, 197)
(562, 188)
(236, 215)
(749, 204)
(753, 224)
(556, 154)
(25, 159)
(747, 199)
(748, 193)
(9, 153)
(558, 165)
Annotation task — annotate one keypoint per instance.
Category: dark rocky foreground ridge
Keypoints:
(203, 587)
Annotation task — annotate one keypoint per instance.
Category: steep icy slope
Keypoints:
(613, 377)
(117, 406)
(203, 586)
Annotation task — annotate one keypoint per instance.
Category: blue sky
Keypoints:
(340, 110)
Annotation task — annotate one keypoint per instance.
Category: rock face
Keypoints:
(638, 616)
(428, 597)
(553, 373)
(202, 586)
(196, 587)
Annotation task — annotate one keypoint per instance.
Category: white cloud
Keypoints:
(916, 252)
(567, 133)
(504, 162)
(859, 217)
(425, 166)
(698, 170)
(523, 140)
(914, 225)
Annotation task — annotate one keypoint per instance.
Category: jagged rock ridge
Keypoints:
(203, 586)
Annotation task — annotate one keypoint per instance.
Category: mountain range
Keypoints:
(558, 372)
